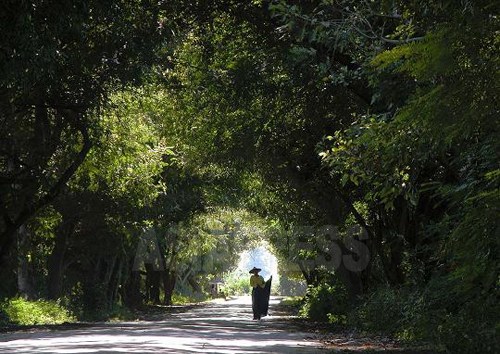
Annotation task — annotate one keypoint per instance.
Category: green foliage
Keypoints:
(131, 154)
(473, 328)
(380, 312)
(179, 299)
(211, 242)
(56, 73)
(424, 60)
(475, 245)
(326, 302)
(391, 311)
(436, 314)
(237, 286)
(422, 158)
(219, 148)
(293, 301)
(23, 312)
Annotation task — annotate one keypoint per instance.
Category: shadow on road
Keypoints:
(219, 327)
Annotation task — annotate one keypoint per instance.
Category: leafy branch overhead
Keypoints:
(200, 129)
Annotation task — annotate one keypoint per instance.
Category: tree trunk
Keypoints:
(352, 280)
(390, 257)
(153, 280)
(168, 286)
(108, 282)
(132, 295)
(55, 262)
(194, 284)
(24, 272)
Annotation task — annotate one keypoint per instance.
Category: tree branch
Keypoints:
(30, 209)
(401, 41)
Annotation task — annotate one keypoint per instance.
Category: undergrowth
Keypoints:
(19, 311)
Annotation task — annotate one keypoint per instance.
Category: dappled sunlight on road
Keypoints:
(219, 327)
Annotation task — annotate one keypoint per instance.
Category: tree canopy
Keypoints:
(359, 138)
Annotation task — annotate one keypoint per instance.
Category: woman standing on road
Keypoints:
(260, 293)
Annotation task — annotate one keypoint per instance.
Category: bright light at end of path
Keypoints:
(259, 257)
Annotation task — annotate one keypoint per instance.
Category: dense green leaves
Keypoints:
(56, 71)
(132, 154)
(198, 120)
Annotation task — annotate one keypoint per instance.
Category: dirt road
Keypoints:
(220, 327)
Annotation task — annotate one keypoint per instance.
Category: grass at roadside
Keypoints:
(19, 311)
(292, 301)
